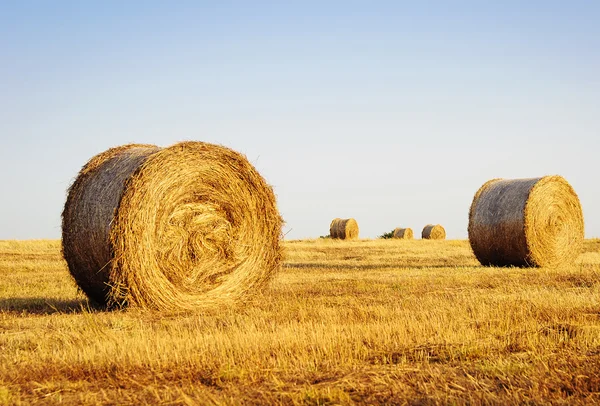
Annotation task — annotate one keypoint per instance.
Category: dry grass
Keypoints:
(386, 321)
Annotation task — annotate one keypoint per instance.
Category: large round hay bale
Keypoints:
(403, 233)
(344, 229)
(526, 222)
(433, 232)
(186, 227)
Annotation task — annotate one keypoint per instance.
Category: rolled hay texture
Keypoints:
(186, 227)
(433, 232)
(533, 222)
(344, 229)
(403, 233)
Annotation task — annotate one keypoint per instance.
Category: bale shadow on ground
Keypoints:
(369, 267)
(46, 305)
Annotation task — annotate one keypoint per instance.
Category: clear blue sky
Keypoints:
(390, 112)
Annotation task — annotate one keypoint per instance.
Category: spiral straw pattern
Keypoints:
(535, 222)
(186, 227)
(343, 229)
(433, 232)
(403, 233)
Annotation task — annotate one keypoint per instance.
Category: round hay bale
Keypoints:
(181, 228)
(433, 232)
(526, 222)
(344, 229)
(403, 233)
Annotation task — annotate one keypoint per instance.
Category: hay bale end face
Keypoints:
(181, 228)
(343, 229)
(403, 233)
(433, 232)
(533, 222)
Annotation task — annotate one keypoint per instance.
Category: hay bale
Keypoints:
(186, 227)
(526, 222)
(433, 232)
(403, 233)
(344, 229)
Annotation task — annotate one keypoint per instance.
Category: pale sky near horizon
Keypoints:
(390, 112)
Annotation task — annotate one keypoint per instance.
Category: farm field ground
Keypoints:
(373, 321)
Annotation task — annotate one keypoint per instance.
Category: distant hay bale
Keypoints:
(403, 233)
(344, 229)
(526, 222)
(186, 227)
(433, 232)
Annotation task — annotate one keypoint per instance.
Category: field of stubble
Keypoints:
(382, 321)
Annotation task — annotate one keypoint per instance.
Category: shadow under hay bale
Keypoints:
(433, 232)
(344, 229)
(526, 222)
(403, 233)
(186, 227)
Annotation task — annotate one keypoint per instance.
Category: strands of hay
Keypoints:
(344, 229)
(403, 233)
(526, 222)
(187, 227)
(433, 232)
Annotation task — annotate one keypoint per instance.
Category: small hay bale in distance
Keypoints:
(533, 222)
(343, 229)
(187, 227)
(433, 232)
(403, 233)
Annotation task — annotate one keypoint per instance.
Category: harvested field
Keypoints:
(374, 321)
